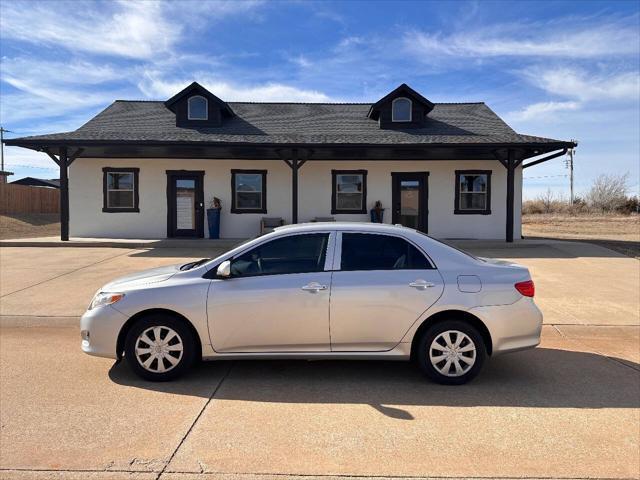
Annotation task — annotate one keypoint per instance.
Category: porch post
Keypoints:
(64, 195)
(294, 186)
(511, 167)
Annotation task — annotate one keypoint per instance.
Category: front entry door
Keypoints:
(410, 200)
(185, 204)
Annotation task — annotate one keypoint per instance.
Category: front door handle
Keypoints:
(422, 284)
(314, 287)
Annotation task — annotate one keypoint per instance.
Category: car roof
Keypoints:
(353, 226)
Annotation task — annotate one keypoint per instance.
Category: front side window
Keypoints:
(349, 192)
(365, 251)
(249, 191)
(198, 108)
(401, 110)
(292, 254)
(120, 189)
(473, 192)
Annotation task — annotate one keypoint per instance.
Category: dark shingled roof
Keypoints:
(285, 123)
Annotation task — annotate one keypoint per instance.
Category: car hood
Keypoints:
(144, 277)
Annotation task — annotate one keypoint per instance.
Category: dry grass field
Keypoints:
(617, 232)
(29, 225)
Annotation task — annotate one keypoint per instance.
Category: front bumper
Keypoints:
(99, 330)
(512, 327)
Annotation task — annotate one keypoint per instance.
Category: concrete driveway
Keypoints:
(569, 409)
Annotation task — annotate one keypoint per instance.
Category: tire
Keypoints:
(465, 360)
(176, 350)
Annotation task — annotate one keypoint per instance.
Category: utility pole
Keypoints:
(2, 130)
(569, 165)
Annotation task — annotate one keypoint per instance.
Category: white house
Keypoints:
(149, 169)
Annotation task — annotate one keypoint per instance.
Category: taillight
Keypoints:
(527, 288)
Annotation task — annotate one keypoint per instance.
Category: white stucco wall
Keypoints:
(88, 220)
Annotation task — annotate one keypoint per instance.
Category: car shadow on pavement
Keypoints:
(539, 378)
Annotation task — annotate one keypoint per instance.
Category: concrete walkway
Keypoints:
(570, 408)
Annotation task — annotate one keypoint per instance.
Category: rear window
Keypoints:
(365, 251)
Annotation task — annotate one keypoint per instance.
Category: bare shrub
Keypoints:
(608, 192)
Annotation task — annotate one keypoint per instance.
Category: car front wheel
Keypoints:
(160, 348)
(451, 352)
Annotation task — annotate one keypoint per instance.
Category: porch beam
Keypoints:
(544, 159)
(74, 155)
(511, 169)
(52, 156)
(64, 194)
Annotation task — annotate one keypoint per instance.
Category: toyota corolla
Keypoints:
(319, 291)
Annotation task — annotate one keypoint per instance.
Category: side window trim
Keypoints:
(337, 264)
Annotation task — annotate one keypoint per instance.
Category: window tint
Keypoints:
(364, 251)
(293, 254)
(197, 108)
(401, 110)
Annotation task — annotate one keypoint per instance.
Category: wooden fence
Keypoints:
(26, 199)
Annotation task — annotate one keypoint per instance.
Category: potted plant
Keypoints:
(377, 212)
(213, 217)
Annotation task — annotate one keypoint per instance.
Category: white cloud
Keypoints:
(562, 40)
(127, 29)
(155, 87)
(542, 109)
(131, 29)
(585, 86)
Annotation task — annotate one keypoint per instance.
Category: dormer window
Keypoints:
(401, 110)
(197, 108)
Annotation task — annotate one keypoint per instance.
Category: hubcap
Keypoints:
(452, 353)
(159, 349)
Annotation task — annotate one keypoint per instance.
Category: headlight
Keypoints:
(105, 298)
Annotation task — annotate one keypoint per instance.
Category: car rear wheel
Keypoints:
(451, 352)
(160, 348)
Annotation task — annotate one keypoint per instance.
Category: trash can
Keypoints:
(213, 219)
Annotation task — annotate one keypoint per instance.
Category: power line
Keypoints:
(31, 166)
(546, 176)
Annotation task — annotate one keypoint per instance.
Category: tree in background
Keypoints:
(608, 192)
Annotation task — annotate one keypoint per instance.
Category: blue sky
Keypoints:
(557, 69)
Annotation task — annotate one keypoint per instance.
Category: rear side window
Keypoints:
(292, 254)
(364, 251)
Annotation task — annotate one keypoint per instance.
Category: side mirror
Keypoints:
(224, 269)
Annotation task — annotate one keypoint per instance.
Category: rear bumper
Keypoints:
(100, 328)
(512, 327)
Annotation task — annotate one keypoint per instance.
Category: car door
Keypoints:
(276, 299)
(383, 284)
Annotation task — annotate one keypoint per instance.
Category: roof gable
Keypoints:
(196, 89)
(403, 90)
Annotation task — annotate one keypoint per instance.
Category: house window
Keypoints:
(473, 192)
(120, 189)
(401, 110)
(248, 191)
(349, 191)
(197, 107)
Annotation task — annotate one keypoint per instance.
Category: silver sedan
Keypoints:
(330, 291)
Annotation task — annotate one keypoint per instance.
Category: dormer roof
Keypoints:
(403, 90)
(196, 89)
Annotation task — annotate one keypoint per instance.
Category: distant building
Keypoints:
(38, 182)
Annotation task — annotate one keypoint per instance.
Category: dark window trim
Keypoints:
(487, 210)
(171, 206)
(334, 174)
(234, 207)
(136, 195)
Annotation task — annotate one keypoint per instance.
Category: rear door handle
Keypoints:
(422, 284)
(314, 287)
